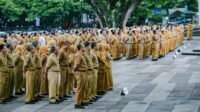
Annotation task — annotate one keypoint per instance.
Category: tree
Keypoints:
(108, 11)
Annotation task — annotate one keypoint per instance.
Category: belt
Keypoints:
(38, 68)
(53, 71)
(10, 67)
(65, 66)
(31, 70)
(81, 70)
(96, 67)
(89, 69)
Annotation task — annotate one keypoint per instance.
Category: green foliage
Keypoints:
(9, 10)
(55, 11)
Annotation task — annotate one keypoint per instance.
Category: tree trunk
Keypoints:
(129, 11)
(98, 13)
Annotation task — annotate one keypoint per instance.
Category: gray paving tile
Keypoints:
(161, 106)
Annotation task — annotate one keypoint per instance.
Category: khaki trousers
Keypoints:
(155, 50)
(3, 78)
(67, 81)
(129, 50)
(38, 75)
(135, 50)
(140, 51)
(101, 80)
(80, 79)
(94, 83)
(63, 81)
(70, 83)
(53, 78)
(88, 86)
(189, 35)
(44, 85)
(30, 78)
(10, 82)
(18, 74)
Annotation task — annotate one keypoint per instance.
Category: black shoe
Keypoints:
(54, 102)
(59, 100)
(97, 97)
(3, 102)
(67, 96)
(40, 96)
(31, 102)
(79, 107)
(13, 96)
(84, 104)
(23, 92)
(90, 103)
(92, 100)
(35, 100)
(18, 93)
(45, 94)
(64, 98)
(99, 93)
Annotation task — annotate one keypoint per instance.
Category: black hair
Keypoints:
(87, 44)
(1, 46)
(79, 46)
(8, 43)
(53, 49)
(35, 43)
(94, 44)
(29, 48)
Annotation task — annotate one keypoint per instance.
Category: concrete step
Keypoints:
(191, 53)
(196, 50)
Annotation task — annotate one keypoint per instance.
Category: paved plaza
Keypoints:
(167, 85)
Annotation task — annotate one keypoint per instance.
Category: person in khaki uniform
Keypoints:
(115, 45)
(102, 70)
(123, 44)
(53, 72)
(43, 51)
(72, 80)
(11, 78)
(38, 72)
(141, 46)
(29, 72)
(3, 73)
(189, 31)
(135, 44)
(95, 70)
(155, 50)
(80, 69)
(18, 62)
(109, 77)
(129, 43)
(145, 44)
(162, 44)
(64, 67)
(89, 76)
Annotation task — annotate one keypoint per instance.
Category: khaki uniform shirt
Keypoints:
(88, 57)
(80, 61)
(29, 62)
(3, 63)
(52, 63)
(94, 60)
(38, 61)
(63, 58)
(10, 59)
